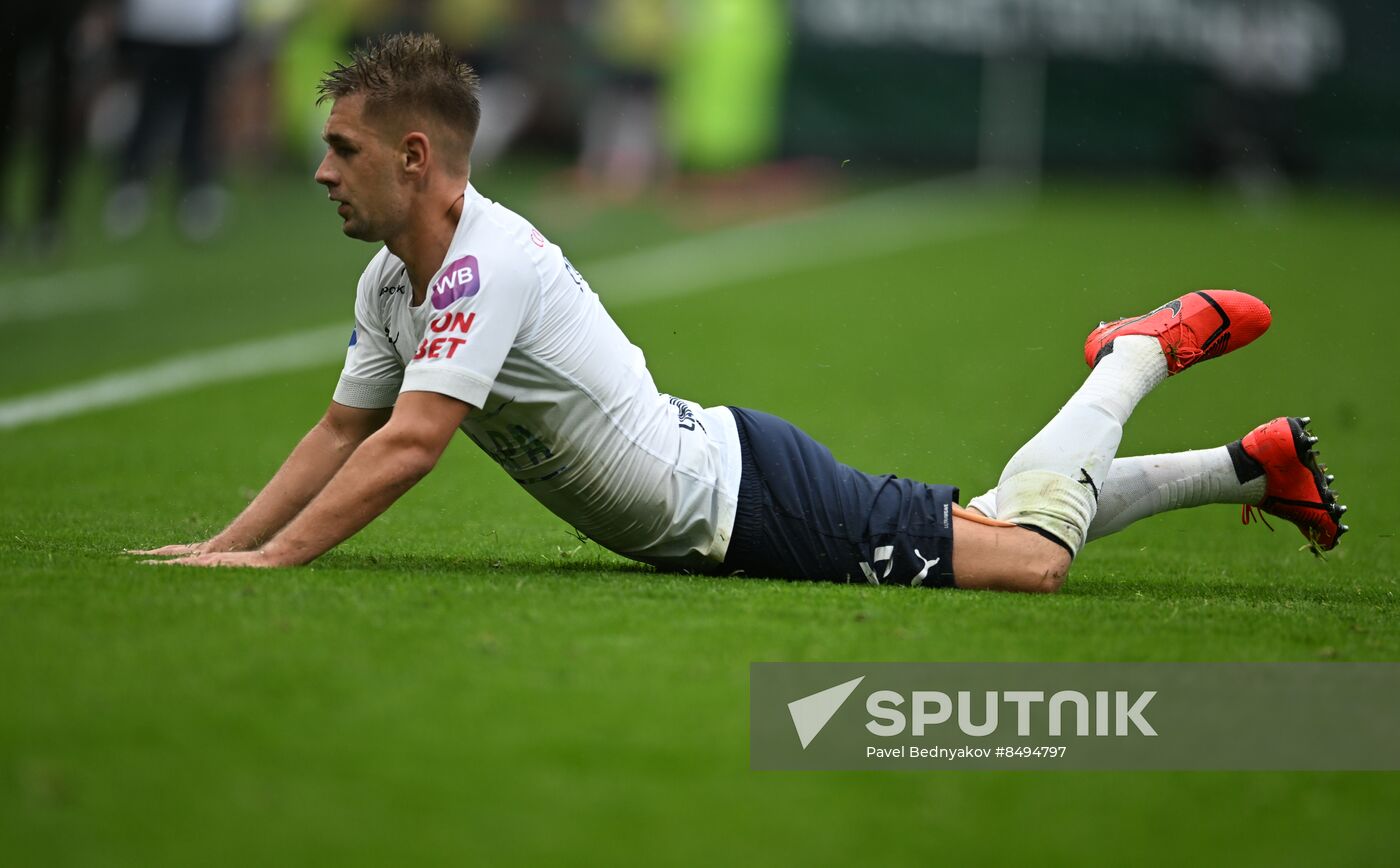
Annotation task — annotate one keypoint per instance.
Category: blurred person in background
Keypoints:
(624, 148)
(41, 35)
(492, 35)
(488, 34)
(725, 90)
(175, 48)
(1249, 134)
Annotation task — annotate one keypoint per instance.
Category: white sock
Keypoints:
(1145, 485)
(1054, 481)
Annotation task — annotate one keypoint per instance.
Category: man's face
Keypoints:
(361, 172)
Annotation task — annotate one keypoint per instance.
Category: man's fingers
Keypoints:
(215, 559)
(165, 551)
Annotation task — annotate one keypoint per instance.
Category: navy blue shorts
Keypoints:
(804, 515)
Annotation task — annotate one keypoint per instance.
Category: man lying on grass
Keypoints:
(469, 319)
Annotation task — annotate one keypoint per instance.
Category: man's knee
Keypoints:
(1046, 574)
(1044, 563)
(1007, 559)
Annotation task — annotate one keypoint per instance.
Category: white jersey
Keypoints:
(560, 398)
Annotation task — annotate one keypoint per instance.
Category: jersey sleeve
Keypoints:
(479, 307)
(373, 371)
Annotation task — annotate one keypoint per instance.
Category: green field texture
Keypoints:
(466, 683)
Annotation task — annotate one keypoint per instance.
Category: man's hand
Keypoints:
(322, 452)
(385, 465)
(223, 559)
(167, 551)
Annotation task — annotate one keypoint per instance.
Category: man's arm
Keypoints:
(386, 464)
(314, 461)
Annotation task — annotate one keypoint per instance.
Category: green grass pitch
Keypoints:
(465, 682)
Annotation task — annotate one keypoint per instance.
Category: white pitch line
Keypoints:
(302, 349)
(879, 223)
(34, 299)
(885, 222)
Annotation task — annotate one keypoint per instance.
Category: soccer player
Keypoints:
(469, 318)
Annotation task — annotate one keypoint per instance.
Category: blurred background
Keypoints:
(162, 107)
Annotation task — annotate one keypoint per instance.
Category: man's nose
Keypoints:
(324, 175)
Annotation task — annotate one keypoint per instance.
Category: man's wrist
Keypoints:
(224, 543)
(283, 553)
(232, 541)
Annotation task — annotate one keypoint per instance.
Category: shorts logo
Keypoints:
(928, 565)
(461, 279)
(883, 554)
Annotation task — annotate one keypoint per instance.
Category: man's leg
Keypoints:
(1052, 485)
(1273, 468)
(1145, 485)
(987, 558)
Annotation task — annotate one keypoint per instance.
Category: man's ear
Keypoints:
(414, 153)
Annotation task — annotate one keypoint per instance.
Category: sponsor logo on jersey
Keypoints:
(453, 322)
(445, 347)
(461, 279)
(354, 336)
(537, 238)
(386, 290)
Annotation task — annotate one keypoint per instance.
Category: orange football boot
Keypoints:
(1198, 326)
(1297, 487)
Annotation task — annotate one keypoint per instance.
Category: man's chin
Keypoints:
(359, 232)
